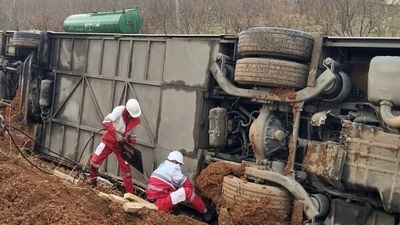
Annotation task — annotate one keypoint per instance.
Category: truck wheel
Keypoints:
(271, 73)
(269, 41)
(32, 107)
(236, 190)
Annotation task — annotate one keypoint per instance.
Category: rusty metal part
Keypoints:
(372, 162)
(367, 158)
(24, 43)
(326, 160)
(294, 187)
(293, 140)
(324, 81)
(266, 135)
(297, 213)
(316, 54)
(256, 135)
(387, 115)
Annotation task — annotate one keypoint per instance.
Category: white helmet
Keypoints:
(177, 156)
(133, 107)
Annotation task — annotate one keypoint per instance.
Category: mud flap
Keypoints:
(131, 155)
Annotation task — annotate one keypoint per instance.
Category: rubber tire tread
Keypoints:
(271, 73)
(275, 42)
(236, 190)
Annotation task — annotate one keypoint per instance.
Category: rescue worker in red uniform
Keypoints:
(168, 186)
(120, 125)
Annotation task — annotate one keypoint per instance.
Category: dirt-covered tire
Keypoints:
(271, 73)
(236, 190)
(275, 42)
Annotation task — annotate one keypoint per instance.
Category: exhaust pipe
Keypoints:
(387, 115)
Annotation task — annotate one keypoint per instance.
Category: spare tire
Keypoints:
(275, 42)
(271, 73)
(236, 190)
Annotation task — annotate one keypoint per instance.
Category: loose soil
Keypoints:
(30, 197)
(284, 93)
(255, 212)
(209, 182)
(297, 214)
(250, 213)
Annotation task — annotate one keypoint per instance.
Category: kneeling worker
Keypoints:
(168, 186)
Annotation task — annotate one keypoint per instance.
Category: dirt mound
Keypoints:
(14, 116)
(243, 213)
(209, 182)
(157, 218)
(28, 196)
(239, 212)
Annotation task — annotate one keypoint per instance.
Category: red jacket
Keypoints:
(167, 178)
(117, 121)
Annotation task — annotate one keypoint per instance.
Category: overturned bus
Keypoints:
(315, 117)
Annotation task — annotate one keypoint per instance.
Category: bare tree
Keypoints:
(350, 17)
(339, 17)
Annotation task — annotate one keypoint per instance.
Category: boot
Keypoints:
(210, 214)
(92, 180)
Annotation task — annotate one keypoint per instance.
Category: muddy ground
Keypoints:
(31, 197)
(28, 196)
(209, 182)
(250, 213)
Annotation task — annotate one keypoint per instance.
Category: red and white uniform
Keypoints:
(168, 186)
(116, 121)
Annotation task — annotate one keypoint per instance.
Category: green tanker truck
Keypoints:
(127, 21)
